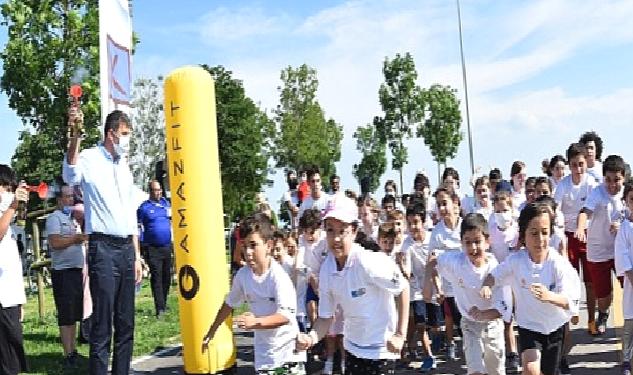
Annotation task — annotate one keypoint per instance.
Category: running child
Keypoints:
(481, 322)
(546, 292)
(271, 298)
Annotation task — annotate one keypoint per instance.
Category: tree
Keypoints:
(402, 104)
(49, 42)
(442, 121)
(373, 163)
(244, 136)
(148, 138)
(304, 137)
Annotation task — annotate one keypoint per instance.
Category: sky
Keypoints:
(539, 73)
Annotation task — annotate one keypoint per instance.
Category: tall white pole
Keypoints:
(461, 49)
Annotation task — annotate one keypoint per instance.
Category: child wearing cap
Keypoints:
(267, 289)
(481, 324)
(364, 284)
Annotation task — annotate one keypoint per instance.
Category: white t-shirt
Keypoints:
(571, 198)
(419, 253)
(596, 171)
(467, 280)
(301, 283)
(518, 199)
(606, 209)
(11, 281)
(556, 273)
(320, 203)
(365, 290)
(624, 262)
(502, 241)
(445, 239)
(312, 255)
(269, 294)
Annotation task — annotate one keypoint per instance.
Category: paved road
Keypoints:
(590, 355)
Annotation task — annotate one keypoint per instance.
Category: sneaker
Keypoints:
(514, 364)
(564, 367)
(328, 368)
(428, 364)
(70, 361)
(451, 352)
(626, 368)
(601, 322)
(591, 328)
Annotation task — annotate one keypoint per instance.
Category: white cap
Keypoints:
(342, 208)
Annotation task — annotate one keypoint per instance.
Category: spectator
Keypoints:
(154, 217)
(67, 258)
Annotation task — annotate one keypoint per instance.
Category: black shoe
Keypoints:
(160, 315)
(564, 367)
(70, 361)
(514, 364)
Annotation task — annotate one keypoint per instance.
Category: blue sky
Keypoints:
(539, 73)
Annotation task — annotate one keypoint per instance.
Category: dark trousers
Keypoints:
(12, 358)
(111, 270)
(160, 268)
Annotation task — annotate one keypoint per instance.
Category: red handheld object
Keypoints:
(76, 91)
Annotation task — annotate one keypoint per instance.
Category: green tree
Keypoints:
(304, 136)
(442, 121)
(49, 42)
(244, 136)
(148, 138)
(403, 107)
(373, 163)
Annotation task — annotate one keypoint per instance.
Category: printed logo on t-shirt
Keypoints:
(460, 282)
(552, 286)
(396, 278)
(358, 293)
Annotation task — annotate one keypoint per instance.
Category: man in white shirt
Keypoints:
(12, 296)
(317, 198)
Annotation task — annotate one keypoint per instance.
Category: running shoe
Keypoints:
(428, 364)
(451, 352)
(601, 322)
(514, 364)
(564, 367)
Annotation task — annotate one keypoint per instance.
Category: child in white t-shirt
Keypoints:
(624, 267)
(518, 176)
(445, 238)
(299, 277)
(271, 298)
(605, 209)
(481, 324)
(504, 235)
(364, 283)
(546, 291)
(310, 253)
(423, 315)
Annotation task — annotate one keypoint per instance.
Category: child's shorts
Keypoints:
(292, 368)
(550, 346)
(601, 277)
(484, 346)
(311, 295)
(450, 309)
(429, 314)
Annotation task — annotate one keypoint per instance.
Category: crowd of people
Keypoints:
(388, 284)
(95, 239)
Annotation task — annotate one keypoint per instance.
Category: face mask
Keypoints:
(67, 210)
(292, 184)
(6, 198)
(503, 219)
(123, 147)
(390, 192)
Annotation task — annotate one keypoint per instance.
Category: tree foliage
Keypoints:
(245, 141)
(402, 103)
(49, 42)
(441, 127)
(373, 163)
(148, 138)
(304, 137)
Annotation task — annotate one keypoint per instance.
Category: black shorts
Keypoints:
(364, 366)
(450, 308)
(12, 357)
(550, 346)
(68, 292)
(311, 295)
(426, 313)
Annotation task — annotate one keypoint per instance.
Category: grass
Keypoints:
(44, 350)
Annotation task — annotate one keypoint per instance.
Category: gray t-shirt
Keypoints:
(65, 225)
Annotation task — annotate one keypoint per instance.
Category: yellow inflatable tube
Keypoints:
(197, 217)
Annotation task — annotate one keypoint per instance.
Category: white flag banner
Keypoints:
(115, 56)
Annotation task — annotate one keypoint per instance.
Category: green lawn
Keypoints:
(43, 348)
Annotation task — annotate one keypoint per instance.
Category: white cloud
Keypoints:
(223, 26)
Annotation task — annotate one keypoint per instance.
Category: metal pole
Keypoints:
(461, 49)
(40, 280)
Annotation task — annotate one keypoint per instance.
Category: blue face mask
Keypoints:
(67, 210)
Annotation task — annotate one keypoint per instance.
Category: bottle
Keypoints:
(20, 217)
